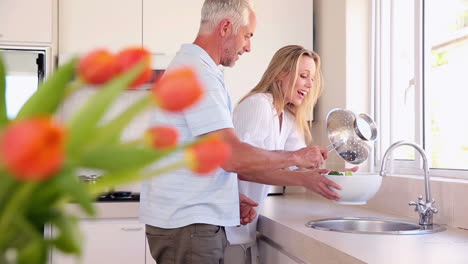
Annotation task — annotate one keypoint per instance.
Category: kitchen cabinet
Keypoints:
(109, 241)
(26, 21)
(271, 253)
(88, 24)
(168, 24)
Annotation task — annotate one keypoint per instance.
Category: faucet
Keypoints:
(424, 209)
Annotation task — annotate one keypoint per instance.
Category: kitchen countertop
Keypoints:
(283, 219)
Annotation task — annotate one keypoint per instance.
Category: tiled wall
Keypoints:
(450, 196)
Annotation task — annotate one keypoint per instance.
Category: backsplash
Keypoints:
(449, 194)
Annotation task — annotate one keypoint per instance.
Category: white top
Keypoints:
(256, 122)
(180, 198)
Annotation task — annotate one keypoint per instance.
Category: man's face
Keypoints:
(236, 45)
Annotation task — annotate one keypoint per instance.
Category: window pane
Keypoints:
(446, 80)
(402, 87)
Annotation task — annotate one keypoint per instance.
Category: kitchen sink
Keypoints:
(366, 225)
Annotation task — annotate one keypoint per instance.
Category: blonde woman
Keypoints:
(274, 116)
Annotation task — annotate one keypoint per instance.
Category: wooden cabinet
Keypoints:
(116, 241)
(88, 24)
(168, 24)
(26, 21)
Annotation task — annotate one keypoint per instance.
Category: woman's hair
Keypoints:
(286, 62)
(214, 11)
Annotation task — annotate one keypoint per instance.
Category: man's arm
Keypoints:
(310, 179)
(247, 159)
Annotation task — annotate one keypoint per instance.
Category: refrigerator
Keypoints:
(26, 68)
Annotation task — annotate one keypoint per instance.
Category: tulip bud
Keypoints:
(97, 67)
(32, 149)
(162, 137)
(129, 57)
(207, 155)
(177, 90)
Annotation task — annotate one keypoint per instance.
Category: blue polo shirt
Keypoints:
(180, 198)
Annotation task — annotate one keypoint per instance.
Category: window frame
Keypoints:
(382, 53)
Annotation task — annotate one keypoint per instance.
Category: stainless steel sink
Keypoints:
(365, 225)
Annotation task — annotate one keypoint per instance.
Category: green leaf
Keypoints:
(83, 125)
(119, 157)
(50, 93)
(3, 113)
(110, 133)
(7, 185)
(116, 179)
(32, 247)
(33, 252)
(69, 238)
(69, 184)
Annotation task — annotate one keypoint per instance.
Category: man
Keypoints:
(185, 214)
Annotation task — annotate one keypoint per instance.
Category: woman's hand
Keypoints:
(353, 169)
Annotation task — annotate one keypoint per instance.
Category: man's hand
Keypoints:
(316, 182)
(311, 157)
(247, 210)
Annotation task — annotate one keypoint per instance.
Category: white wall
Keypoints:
(279, 23)
(342, 39)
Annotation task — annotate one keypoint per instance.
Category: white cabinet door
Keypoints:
(26, 21)
(88, 24)
(273, 254)
(168, 24)
(113, 241)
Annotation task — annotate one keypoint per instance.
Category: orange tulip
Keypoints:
(177, 90)
(207, 155)
(127, 58)
(33, 149)
(162, 137)
(97, 67)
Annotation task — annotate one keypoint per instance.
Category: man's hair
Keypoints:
(214, 11)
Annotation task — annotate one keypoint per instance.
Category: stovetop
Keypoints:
(119, 196)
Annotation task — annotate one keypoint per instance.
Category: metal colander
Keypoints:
(350, 135)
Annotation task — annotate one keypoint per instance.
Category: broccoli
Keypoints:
(346, 173)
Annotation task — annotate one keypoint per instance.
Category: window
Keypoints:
(421, 81)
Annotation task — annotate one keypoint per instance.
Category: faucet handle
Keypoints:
(416, 205)
(430, 207)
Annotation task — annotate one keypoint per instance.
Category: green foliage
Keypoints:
(26, 207)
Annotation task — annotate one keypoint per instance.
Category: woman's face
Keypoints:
(304, 81)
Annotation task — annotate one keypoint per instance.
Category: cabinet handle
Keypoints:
(132, 228)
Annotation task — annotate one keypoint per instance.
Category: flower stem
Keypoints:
(12, 208)
(109, 180)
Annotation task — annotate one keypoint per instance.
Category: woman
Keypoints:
(274, 116)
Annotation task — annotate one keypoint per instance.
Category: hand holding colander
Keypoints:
(350, 135)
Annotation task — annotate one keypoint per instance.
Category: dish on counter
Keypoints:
(357, 188)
